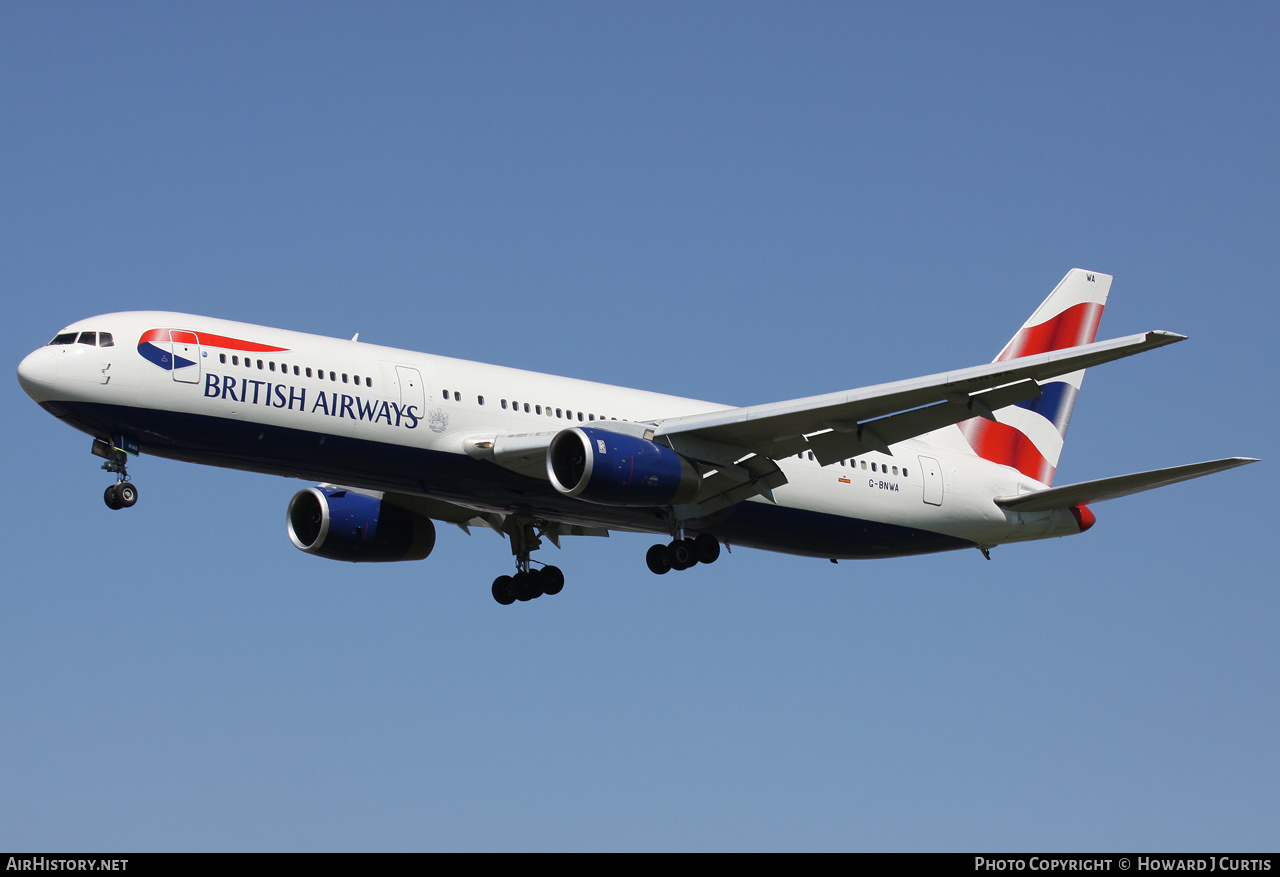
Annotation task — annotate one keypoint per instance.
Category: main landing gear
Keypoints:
(124, 493)
(528, 583)
(683, 553)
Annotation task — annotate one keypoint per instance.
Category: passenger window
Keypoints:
(873, 467)
(810, 455)
(295, 370)
(104, 340)
(272, 364)
(457, 396)
(308, 371)
(479, 400)
(344, 377)
(895, 470)
(259, 365)
(235, 360)
(222, 358)
(90, 338)
(904, 472)
(526, 408)
(538, 407)
(332, 376)
(864, 465)
(368, 381)
(504, 404)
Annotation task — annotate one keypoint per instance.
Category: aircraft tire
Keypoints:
(707, 548)
(502, 590)
(112, 498)
(656, 558)
(552, 580)
(524, 587)
(127, 493)
(680, 554)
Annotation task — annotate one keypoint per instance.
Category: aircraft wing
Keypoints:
(738, 447)
(836, 426)
(465, 518)
(1112, 488)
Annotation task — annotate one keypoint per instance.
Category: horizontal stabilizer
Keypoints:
(1111, 488)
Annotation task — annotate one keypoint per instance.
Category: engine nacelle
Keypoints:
(609, 468)
(345, 525)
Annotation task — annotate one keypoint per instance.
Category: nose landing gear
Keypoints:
(121, 495)
(124, 493)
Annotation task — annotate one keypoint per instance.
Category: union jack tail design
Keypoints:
(1029, 436)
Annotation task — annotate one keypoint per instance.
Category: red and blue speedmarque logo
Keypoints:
(160, 346)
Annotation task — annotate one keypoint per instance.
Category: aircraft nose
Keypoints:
(37, 372)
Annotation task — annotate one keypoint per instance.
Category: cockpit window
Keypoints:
(93, 339)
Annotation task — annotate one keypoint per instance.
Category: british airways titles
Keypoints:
(332, 403)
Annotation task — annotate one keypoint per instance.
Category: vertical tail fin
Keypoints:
(1029, 436)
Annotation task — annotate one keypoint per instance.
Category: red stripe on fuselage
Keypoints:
(206, 339)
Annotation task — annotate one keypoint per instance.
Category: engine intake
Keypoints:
(608, 468)
(344, 525)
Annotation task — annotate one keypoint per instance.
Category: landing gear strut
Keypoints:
(682, 553)
(124, 493)
(528, 583)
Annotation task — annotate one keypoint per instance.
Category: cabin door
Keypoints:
(412, 391)
(932, 480)
(186, 356)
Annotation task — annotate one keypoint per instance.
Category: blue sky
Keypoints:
(733, 201)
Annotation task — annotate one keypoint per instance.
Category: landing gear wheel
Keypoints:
(525, 586)
(552, 580)
(111, 497)
(126, 493)
(656, 558)
(680, 554)
(707, 548)
(502, 590)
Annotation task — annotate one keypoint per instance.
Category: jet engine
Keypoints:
(609, 468)
(342, 524)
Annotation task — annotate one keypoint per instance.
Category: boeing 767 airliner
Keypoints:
(962, 459)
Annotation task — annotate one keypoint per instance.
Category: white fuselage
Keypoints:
(379, 418)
